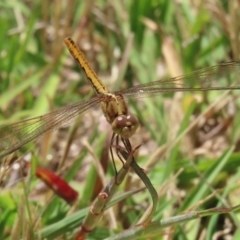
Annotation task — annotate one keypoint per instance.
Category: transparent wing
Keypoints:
(15, 135)
(220, 77)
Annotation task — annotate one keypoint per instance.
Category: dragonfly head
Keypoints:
(125, 125)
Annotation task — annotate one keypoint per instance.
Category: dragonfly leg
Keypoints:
(114, 137)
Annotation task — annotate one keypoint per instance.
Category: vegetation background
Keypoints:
(192, 166)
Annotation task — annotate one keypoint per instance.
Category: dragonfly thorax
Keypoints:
(116, 112)
(125, 125)
(113, 106)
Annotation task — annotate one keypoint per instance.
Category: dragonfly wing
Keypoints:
(218, 77)
(15, 135)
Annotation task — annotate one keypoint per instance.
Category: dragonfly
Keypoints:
(114, 104)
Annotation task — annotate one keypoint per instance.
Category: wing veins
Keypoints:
(14, 136)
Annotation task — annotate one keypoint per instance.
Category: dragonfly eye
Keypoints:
(125, 125)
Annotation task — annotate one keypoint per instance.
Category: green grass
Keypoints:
(38, 75)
